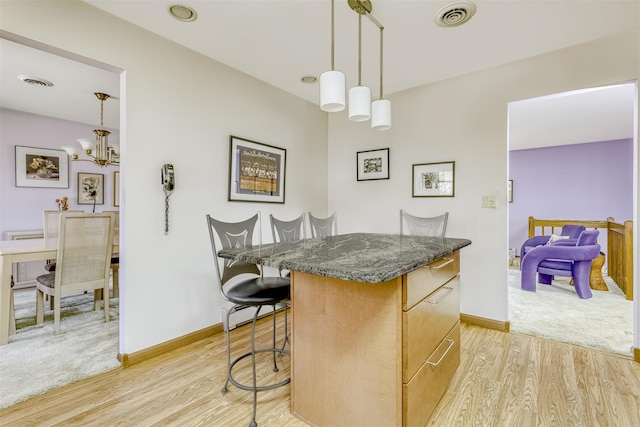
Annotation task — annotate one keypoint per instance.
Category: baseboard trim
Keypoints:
(636, 354)
(131, 359)
(485, 323)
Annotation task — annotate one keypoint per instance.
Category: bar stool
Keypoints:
(258, 291)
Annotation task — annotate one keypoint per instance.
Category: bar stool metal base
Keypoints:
(254, 387)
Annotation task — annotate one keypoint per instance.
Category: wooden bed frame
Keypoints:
(619, 243)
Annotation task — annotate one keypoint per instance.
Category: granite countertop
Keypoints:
(360, 257)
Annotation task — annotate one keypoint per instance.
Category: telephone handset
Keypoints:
(168, 183)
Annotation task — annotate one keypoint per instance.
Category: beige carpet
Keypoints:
(36, 360)
(603, 322)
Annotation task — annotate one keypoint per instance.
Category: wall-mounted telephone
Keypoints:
(168, 183)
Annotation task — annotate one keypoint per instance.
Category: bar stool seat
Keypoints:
(257, 291)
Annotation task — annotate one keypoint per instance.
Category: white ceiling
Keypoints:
(279, 41)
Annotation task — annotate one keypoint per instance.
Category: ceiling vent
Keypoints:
(455, 14)
(36, 81)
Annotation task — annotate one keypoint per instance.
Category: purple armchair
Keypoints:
(561, 260)
(573, 231)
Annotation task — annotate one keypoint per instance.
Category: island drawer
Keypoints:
(426, 325)
(425, 280)
(422, 394)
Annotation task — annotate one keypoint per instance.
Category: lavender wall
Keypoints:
(590, 181)
(21, 207)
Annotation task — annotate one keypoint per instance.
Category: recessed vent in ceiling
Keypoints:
(455, 14)
(36, 81)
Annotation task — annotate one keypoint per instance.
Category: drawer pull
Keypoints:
(448, 291)
(439, 266)
(451, 342)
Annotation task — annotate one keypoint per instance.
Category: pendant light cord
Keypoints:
(381, 30)
(332, 37)
(359, 49)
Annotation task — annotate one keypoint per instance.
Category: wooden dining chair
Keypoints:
(83, 262)
(115, 257)
(51, 227)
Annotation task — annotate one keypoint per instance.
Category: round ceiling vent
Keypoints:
(36, 81)
(455, 14)
(183, 13)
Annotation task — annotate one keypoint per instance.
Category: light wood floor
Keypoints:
(503, 380)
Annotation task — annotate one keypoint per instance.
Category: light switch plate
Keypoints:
(488, 201)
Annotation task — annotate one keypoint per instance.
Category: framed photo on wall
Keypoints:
(373, 164)
(41, 167)
(434, 179)
(90, 188)
(116, 188)
(256, 171)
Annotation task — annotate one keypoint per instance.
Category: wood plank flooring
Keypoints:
(503, 380)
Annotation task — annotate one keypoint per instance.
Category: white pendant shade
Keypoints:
(87, 144)
(332, 88)
(381, 114)
(359, 103)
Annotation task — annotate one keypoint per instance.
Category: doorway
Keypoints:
(571, 157)
(39, 114)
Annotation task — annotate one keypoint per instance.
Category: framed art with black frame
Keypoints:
(90, 188)
(373, 164)
(41, 167)
(434, 179)
(256, 171)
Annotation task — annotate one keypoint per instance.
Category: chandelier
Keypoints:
(97, 149)
(332, 83)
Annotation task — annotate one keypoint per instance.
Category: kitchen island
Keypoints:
(375, 325)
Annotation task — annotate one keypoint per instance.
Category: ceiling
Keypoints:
(279, 41)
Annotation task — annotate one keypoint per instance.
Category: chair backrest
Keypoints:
(51, 222)
(588, 237)
(235, 235)
(84, 251)
(424, 226)
(572, 230)
(287, 231)
(323, 227)
(116, 226)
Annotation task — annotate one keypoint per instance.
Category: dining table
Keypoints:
(12, 251)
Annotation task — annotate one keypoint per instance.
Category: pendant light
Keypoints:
(332, 83)
(381, 108)
(359, 96)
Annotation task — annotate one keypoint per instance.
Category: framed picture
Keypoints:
(41, 167)
(116, 188)
(256, 171)
(510, 190)
(434, 179)
(373, 164)
(90, 188)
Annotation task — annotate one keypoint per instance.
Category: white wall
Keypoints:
(179, 107)
(465, 120)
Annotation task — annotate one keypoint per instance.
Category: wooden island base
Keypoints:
(374, 354)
